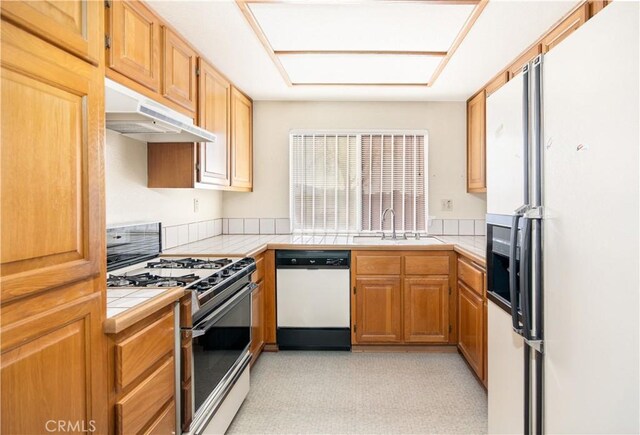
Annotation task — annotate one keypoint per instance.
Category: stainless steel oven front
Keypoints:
(220, 355)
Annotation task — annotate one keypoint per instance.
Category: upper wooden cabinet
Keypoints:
(476, 144)
(134, 48)
(214, 105)
(179, 63)
(566, 28)
(70, 25)
(496, 83)
(426, 309)
(378, 310)
(525, 58)
(241, 140)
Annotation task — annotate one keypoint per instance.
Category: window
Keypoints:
(342, 182)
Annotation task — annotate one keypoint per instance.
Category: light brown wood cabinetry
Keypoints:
(214, 106)
(258, 309)
(596, 6)
(378, 310)
(179, 63)
(270, 298)
(496, 83)
(143, 375)
(135, 42)
(566, 28)
(70, 25)
(471, 328)
(403, 297)
(426, 309)
(52, 225)
(471, 275)
(241, 140)
(525, 58)
(476, 144)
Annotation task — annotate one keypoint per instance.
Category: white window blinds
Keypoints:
(341, 182)
(324, 176)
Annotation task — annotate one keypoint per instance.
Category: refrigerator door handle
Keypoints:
(525, 277)
(513, 272)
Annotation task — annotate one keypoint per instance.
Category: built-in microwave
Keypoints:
(499, 242)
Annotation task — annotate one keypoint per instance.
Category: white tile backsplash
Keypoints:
(225, 226)
(480, 227)
(252, 226)
(466, 227)
(283, 226)
(171, 237)
(267, 226)
(193, 232)
(217, 227)
(450, 227)
(236, 226)
(183, 234)
(202, 230)
(210, 229)
(435, 227)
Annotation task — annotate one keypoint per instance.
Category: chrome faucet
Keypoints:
(393, 222)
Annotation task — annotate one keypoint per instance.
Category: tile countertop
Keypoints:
(250, 245)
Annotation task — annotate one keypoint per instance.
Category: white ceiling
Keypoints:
(219, 30)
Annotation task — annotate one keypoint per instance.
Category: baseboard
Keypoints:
(433, 348)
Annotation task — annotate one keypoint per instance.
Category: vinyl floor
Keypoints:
(362, 393)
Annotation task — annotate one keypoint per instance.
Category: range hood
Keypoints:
(135, 116)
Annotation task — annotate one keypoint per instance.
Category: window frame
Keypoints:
(358, 133)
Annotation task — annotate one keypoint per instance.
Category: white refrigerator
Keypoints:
(563, 141)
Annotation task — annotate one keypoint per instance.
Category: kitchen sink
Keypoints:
(376, 240)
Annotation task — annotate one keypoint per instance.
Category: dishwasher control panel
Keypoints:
(313, 259)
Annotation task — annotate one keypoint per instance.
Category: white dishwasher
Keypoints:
(313, 300)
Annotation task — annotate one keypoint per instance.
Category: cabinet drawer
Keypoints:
(471, 276)
(165, 423)
(139, 352)
(258, 275)
(426, 265)
(133, 410)
(378, 265)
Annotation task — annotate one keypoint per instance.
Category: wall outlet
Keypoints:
(196, 205)
(447, 204)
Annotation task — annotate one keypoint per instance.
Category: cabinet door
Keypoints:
(135, 42)
(566, 28)
(51, 203)
(476, 149)
(426, 310)
(179, 70)
(471, 327)
(257, 321)
(378, 310)
(214, 104)
(72, 25)
(241, 140)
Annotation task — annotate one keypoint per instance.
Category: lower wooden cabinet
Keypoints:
(471, 327)
(426, 310)
(257, 322)
(143, 375)
(378, 310)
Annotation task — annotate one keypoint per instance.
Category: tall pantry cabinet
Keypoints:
(52, 279)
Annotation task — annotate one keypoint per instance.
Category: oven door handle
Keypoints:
(201, 327)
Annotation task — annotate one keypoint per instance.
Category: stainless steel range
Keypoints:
(219, 330)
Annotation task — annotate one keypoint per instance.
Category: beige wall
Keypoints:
(445, 122)
(130, 200)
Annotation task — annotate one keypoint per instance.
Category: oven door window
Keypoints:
(215, 352)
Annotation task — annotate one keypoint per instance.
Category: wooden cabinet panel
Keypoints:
(52, 222)
(270, 297)
(134, 411)
(258, 275)
(426, 265)
(596, 6)
(241, 140)
(378, 265)
(135, 42)
(214, 106)
(171, 165)
(476, 144)
(179, 62)
(527, 56)
(53, 368)
(186, 410)
(566, 28)
(137, 353)
(471, 327)
(71, 25)
(471, 276)
(257, 322)
(496, 83)
(378, 310)
(426, 310)
(165, 423)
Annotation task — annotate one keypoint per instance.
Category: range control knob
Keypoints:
(294, 261)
